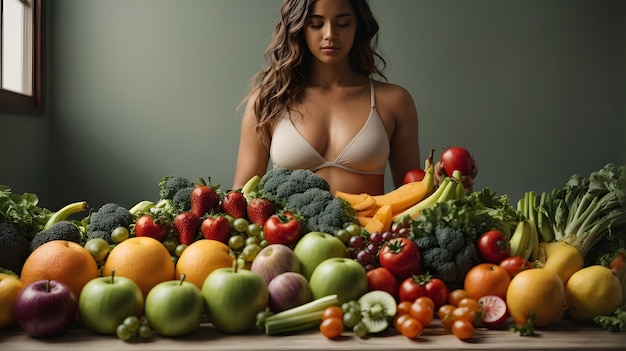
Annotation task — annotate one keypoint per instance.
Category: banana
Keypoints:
(519, 239)
(415, 210)
(141, 207)
(250, 185)
(449, 192)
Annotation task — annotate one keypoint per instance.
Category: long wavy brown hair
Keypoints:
(281, 84)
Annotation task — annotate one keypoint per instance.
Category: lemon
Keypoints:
(10, 287)
(592, 291)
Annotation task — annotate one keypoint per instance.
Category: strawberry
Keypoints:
(216, 228)
(147, 225)
(259, 210)
(186, 225)
(204, 198)
(234, 204)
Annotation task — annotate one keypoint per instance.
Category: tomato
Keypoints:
(424, 285)
(462, 329)
(331, 327)
(493, 246)
(457, 158)
(282, 229)
(380, 278)
(445, 315)
(414, 175)
(411, 328)
(423, 312)
(469, 303)
(456, 295)
(401, 257)
(404, 307)
(515, 264)
(332, 311)
(464, 314)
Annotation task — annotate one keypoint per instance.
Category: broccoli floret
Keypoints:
(13, 248)
(107, 218)
(321, 210)
(337, 214)
(63, 230)
(426, 242)
(310, 202)
(466, 258)
(271, 180)
(450, 238)
(182, 200)
(170, 185)
(447, 253)
(280, 183)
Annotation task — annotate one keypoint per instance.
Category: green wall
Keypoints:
(141, 89)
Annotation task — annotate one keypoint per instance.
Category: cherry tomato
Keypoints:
(462, 329)
(457, 295)
(399, 319)
(331, 327)
(414, 175)
(463, 314)
(470, 303)
(411, 328)
(381, 278)
(444, 313)
(424, 285)
(457, 158)
(402, 257)
(332, 311)
(515, 264)
(493, 246)
(404, 307)
(423, 312)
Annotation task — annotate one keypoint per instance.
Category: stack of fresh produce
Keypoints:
(302, 257)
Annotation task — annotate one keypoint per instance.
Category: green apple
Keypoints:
(105, 302)
(233, 298)
(175, 307)
(340, 275)
(315, 247)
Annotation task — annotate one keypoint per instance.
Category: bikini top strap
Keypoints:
(373, 100)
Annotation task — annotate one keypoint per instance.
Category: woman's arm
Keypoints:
(253, 155)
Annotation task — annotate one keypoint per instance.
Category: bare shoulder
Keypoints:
(393, 97)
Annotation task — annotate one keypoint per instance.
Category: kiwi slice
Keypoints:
(377, 309)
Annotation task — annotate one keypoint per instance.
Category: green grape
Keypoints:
(351, 318)
(354, 229)
(342, 235)
(240, 225)
(253, 240)
(170, 244)
(179, 249)
(236, 241)
(119, 234)
(123, 332)
(253, 229)
(144, 332)
(263, 243)
(250, 251)
(132, 323)
(360, 329)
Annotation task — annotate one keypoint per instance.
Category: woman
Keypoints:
(317, 105)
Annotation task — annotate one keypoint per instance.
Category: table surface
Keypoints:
(562, 335)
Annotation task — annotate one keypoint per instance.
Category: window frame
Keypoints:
(12, 102)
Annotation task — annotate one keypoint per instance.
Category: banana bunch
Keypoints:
(533, 228)
(449, 188)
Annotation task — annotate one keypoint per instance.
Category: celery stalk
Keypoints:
(299, 318)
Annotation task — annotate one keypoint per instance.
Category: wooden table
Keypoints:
(563, 335)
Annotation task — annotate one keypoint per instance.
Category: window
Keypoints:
(21, 56)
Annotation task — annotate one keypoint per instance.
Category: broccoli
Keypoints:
(307, 195)
(13, 247)
(447, 253)
(170, 185)
(108, 217)
(182, 199)
(63, 230)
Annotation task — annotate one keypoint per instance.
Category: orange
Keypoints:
(143, 260)
(538, 291)
(486, 279)
(64, 261)
(201, 258)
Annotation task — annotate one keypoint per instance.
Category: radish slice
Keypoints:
(494, 312)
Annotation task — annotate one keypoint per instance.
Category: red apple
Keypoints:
(273, 260)
(414, 175)
(288, 290)
(45, 308)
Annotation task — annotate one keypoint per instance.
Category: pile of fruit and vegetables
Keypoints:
(284, 255)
